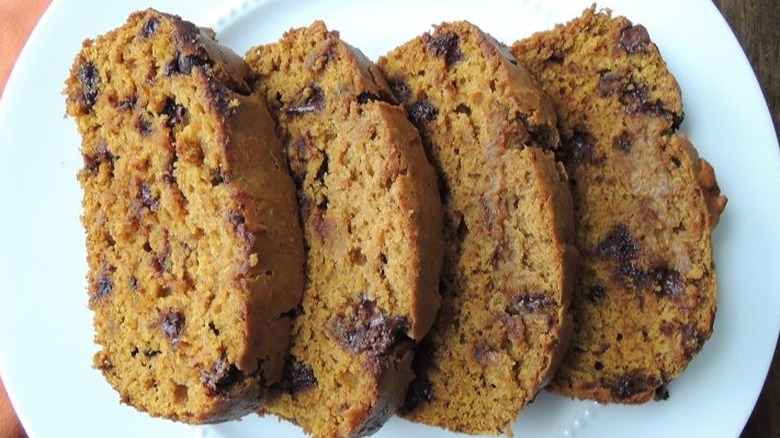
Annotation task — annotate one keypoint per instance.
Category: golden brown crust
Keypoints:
(509, 259)
(372, 223)
(645, 206)
(193, 242)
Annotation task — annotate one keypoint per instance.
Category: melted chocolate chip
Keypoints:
(368, 329)
(301, 376)
(89, 76)
(672, 283)
(172, 325)
(400, 89)
(419, 391)
(104, 285)
(222, 99)
(677, 120)
(636, 100)
(577, 149)
(529, 302)
(609, 83)
(176, 113)
(447, 47)
(222, 378)
(631, 384)
(618, 244)
(314, 101)
(596, 293)
(421, 113)
(219, 177)
(634, 39)
(661, 393)
(184, 64)
(150, 27)
(128, 104)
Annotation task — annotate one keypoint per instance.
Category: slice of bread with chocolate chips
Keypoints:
(372, 226)
(645, 208)
(509, 258)
(194, 246)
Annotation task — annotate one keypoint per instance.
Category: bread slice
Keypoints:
(372, 226)
(509, 259)
(645, 208)
(194, 246)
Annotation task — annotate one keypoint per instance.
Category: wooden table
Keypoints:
(755, 22)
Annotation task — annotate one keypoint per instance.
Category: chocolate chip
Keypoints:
(148, 352)
(529, 302)
(184, 64)
(150, 27)
(161, 263)
(89, 76)
(624, 143)
(148, 200)
(596, 293)
(143, 126)
(176, 113)
(128, 104)
(609, 83)
(301, 376)
(419, 391)
(447, 47)
(133, 283)
(677, 120)
(634, 39)
(310, 100)
(577, 149)
(631, 384)
(101, 155)
(222, 98)
(172, 325)
(661, 393)
(219, 177)
(400, 89)
(672, 283)
(692, 339)
(238, 221)
(367, 96)
(105, 283)
(322, 170)
(213, 328)
(618, 244)
(636, 100)
(463, 109)
(421, 113)
(367, 328)
(598, 366)
(222, 378)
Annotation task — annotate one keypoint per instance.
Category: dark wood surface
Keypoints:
(757, 26)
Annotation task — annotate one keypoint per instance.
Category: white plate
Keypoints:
(45, 327)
